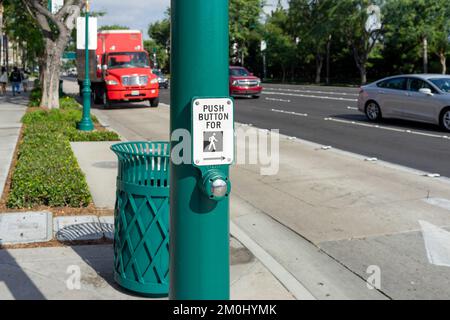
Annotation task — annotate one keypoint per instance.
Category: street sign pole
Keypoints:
(199, 262)
(86, 123)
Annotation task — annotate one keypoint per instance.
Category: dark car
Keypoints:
(162, 80)
(244, 83)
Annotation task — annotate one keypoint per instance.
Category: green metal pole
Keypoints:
(86, 123)
(199, 262)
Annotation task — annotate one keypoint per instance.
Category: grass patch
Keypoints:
(47, 172)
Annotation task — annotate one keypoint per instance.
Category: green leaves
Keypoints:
(47, 172)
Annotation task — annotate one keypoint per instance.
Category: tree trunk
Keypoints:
(425, 55)
(328, 60)
(55, 42)
(283, 79)
(50, 75)
(443, 60)
(319, 65)
(363, 72)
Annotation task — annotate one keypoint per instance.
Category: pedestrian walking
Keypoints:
(3, 81)
(24, 80)
(16, 80)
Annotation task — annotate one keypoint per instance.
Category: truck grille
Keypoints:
(248, 83)
(135, 80)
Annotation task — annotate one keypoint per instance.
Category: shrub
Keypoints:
(47, 172)
(35, 97)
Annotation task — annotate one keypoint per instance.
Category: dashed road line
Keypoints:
(352, 108)
(356, 123)
(290, 112)
(309, 96)
(278, 100)
(314, 91)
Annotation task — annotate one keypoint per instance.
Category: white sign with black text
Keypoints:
(213, 132)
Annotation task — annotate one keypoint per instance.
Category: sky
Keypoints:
(139, 13)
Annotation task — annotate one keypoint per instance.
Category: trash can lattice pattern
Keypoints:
(141, 239)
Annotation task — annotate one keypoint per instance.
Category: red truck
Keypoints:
(244, 83)
(120, 69)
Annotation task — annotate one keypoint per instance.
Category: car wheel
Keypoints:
(373, 111)
(445, 119)
(154, 103)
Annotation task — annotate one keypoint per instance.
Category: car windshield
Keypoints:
(239, 72)
(442, 83)
(128, 60)
(157, 72)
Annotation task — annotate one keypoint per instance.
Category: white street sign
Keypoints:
(263, 45)
(81, 33)
(57, 5)
(213, 132)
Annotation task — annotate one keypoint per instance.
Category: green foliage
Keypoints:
(159, 31)
(113, 27)
(245, 28)
(161, 53)
(281, 48)
(35, 97)
(47, 172)
(21, 27)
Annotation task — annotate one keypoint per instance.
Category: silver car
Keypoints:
(424, 98)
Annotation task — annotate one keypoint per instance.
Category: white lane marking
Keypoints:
(438, 202)
(284, 276)
(432, 175)
(308, 96)
(437, 244)
(352, 108)
(361, 124)
(278, 100)
(315, 91)
(290, 112)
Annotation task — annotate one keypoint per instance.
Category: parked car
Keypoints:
(418, 97)
(162, 80)
(244, 83)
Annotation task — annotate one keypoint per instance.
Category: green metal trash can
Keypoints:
(141, 236)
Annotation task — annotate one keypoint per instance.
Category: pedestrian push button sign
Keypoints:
(213, 132)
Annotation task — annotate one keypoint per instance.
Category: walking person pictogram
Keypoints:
(212, 143)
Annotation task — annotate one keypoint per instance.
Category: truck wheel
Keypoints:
(105, 101)
(98, 96)
(154, 103)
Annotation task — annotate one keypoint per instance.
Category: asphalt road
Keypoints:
(328, 116)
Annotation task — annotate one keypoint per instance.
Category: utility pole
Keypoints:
(86, 123)
(1, 30)
(263, 51)
(200, 186)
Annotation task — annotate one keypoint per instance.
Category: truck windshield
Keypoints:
(239, 72)
(128, 60)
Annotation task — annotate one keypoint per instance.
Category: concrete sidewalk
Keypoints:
(329, 205)
(12, 110)
(86, 273)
